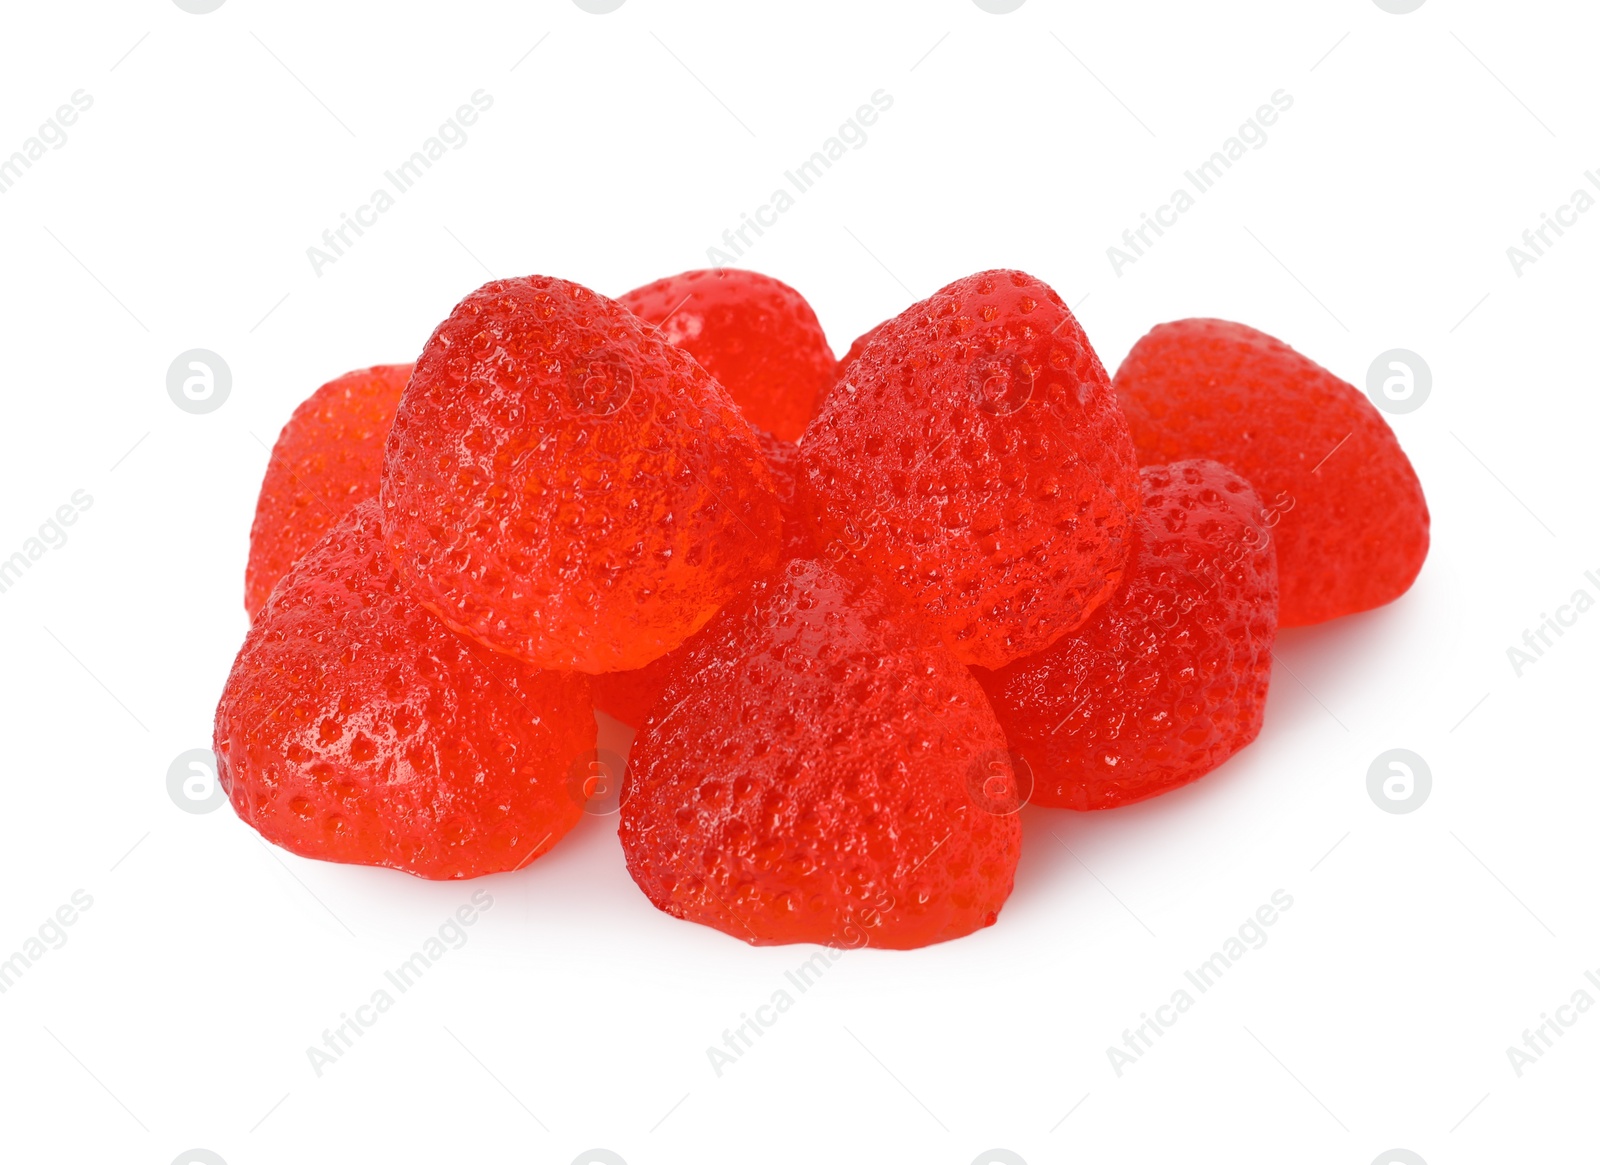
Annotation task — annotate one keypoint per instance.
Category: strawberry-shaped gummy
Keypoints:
(822, 769)
(356, 727)
(757, 336)
(328, 458)
(1169, 678)
(629, 695)
(1345, 506)
(973, 459)
(565, 486)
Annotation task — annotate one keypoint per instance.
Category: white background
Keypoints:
(177, 215)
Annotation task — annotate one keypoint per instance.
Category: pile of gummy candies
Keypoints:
(858, 611)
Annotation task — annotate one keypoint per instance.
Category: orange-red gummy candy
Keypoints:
(1345, 506)
(356, 727)
(629, 695)
(757, 336)
(565, 486)
(327, 458)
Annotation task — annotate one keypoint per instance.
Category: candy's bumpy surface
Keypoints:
(809, 775)
(842, 370)
(356, 727)
(1169, 678)
(1347, 511)
(857, 346)
(566, 487)
(783, 458)
(974, 459)
(757, 336)
(328, 458)
(629, 695)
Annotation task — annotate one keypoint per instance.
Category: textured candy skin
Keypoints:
(976, 461)
(629, 695)
(1169, 678)
(1351, 524)
(356, 727)
(857, 346)
(564, 486)
(783, 458)
(757, 336)
(327, 458)
(806, 776)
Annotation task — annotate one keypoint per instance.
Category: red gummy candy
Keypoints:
(629, 695)
(757, 336)
(328, 458)
(356, 727)
(822, 769)
(1347, 511)
(783, 458)
(1169, 678)
(975, 460)
(842, 370)
(565, 486)
(857, 346)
